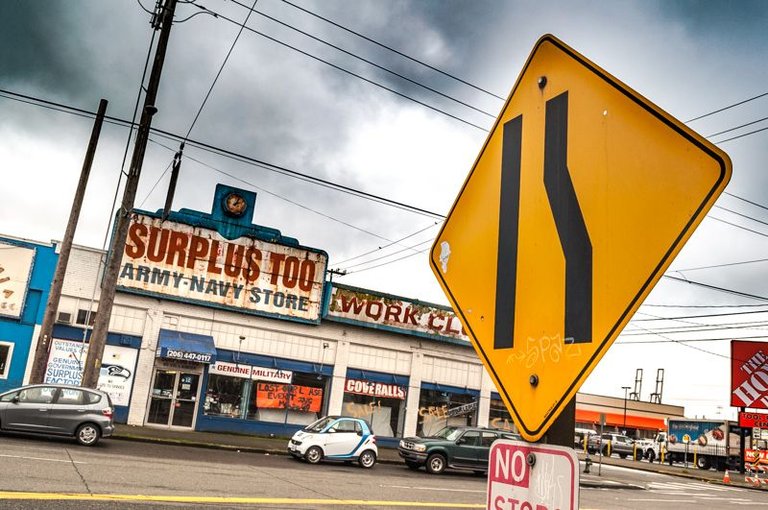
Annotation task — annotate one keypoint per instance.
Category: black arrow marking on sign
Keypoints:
(509, 215)
(569, 221)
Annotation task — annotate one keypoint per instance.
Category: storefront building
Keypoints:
(221, 325)
(26, 271)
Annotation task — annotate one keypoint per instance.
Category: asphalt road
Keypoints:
(130, 475)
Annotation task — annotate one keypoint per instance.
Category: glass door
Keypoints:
(186, 398)
(174, 398)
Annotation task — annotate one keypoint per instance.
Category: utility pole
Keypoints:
(163, 21)
(625, 388)
(40, 360)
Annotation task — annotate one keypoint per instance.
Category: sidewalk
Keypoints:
(278, 446)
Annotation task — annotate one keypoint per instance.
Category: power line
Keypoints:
(743, 135)
(369, 62)
(276, 195)
(346, 71)
(742, 227)
(714, 266)
(742, 215)
(725, 107)
(737, 127)
(761, 206)
(661, 305)
(701, 316)
(387, 245)
(716, 288)
(412, 247)
(221, 68)
(389, 48)
(71, 110)
(389, 262)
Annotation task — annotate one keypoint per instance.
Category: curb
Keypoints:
(217, 446)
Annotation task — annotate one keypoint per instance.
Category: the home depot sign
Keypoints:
(195, 263)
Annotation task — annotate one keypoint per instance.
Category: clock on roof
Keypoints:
(235, 204)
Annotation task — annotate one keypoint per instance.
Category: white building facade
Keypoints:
(220, 325)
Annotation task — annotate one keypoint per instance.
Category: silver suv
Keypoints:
(620, 444)
(58, 410)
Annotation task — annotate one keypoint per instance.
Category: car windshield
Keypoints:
(449, 433)
(319, 425)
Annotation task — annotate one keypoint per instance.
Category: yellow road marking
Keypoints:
(56, 496)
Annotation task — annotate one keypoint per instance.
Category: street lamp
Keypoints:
(625, 388)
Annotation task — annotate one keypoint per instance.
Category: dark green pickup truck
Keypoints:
(452, 447)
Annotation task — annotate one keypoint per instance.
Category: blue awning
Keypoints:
(186, 346)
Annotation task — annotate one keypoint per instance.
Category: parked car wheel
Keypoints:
(88, 434)
(413, 465)
(650, 455)
(314, 455)
(367, 459)
(436, 464)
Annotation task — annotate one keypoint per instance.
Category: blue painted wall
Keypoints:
(19, 331)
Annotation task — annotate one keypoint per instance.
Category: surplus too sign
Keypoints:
(749, 374)
(184, 262)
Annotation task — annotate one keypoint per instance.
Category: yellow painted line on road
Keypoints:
(56, 496)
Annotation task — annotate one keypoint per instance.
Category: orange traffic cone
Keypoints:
(726, 477)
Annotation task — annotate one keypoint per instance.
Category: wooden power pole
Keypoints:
(40, 360)
(109, 281)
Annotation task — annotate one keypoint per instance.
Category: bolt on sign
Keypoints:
(581, 197)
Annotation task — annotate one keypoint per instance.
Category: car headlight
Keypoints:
(402, 444)
(419, 447)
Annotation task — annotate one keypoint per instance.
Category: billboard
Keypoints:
(364, 308)
(15, 270)
(184, 262)
(749, 374)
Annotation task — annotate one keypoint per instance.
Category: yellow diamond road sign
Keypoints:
(580, 199)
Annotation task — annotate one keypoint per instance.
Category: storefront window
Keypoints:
(441, 408)
(381, 405)
(498, 416)
(227, 396)
(299, 402)
(5, 359)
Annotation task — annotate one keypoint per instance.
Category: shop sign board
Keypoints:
(15, 271)
(749, 374)
(65, 366)
(462, 410)
(532, 476)
(750, 419)
(184, 262)
(580, 199)
(250, 372)
(374, 389)
(368, 309)
(282, 396)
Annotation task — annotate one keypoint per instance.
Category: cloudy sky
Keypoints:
(301, 93)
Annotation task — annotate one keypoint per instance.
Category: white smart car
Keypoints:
(340, 438)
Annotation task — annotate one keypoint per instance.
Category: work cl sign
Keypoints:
(524, 476)
(579, 200)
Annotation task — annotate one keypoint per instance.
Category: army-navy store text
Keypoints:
(230, 326)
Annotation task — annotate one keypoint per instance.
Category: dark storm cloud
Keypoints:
(60, 49)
